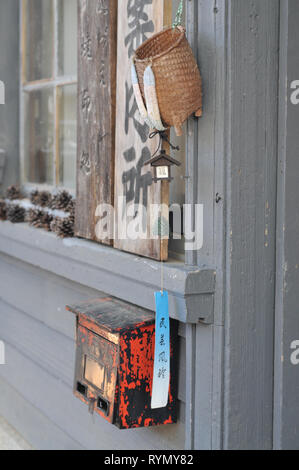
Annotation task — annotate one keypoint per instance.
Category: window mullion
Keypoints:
(55, 91)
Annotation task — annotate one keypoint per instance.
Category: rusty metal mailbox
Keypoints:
(115, 362)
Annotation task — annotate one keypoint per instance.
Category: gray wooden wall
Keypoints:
(36, 383)
(238, 389)
(286, 374)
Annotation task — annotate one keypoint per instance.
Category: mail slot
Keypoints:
(115, 348)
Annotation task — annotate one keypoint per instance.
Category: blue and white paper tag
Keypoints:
(160, 389)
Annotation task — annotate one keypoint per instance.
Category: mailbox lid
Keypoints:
(113, 315)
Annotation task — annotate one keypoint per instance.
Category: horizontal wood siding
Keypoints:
(38, 377)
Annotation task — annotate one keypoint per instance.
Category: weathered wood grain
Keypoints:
(96, 113)
(133, 181)
(251, 176)
(286, 377)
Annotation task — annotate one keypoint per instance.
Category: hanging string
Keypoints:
(162, 228)
(179, 16)
(163, 137)
(162, 266)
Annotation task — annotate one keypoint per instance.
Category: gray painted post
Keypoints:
(210, 157)
(236, 158)
(251, 172)
(286, 405)
(9, 75)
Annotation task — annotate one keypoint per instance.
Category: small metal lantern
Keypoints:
(162, 164)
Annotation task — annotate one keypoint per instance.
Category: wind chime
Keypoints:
(168, 89)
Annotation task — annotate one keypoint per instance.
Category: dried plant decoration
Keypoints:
(39, 219)
(46, 221)
(61, 201)
(16, 214)
(44, 199)
(33, 217)
(41, 198)
(13, 193)
(63, 227)
(71, 207)
(34, 197)
(3, 210)
(170, 84)
(54, 224)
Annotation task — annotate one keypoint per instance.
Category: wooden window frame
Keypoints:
(191, 190)
(54, 83)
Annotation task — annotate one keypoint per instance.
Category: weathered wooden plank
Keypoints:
(190, 386)
(134, 188)
(251, 177)
(286, 377)
(206, 164)
(96, 113)
(203, 385)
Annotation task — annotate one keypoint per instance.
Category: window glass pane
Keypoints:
(39, 131)
(39, 39)
(67, 125)
(67, 40)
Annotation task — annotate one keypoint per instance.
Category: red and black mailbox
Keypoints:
(115, 363)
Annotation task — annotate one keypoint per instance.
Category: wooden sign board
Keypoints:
(135, 192)
(97, 31)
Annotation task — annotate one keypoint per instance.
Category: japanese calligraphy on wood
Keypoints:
(135, 192)
(97, 32)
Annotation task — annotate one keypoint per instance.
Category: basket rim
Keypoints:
(160, 33)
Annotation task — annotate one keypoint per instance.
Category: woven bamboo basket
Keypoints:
(178, 80)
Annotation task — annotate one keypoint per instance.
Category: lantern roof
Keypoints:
(162, 159)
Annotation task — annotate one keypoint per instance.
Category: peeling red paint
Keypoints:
(127, 354)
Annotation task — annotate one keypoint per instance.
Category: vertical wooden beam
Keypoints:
(251, 172)
(190, 386)
(133, 181)
(286, 377)
(97, 31)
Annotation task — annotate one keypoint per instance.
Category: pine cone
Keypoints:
(63, 227)
(13, 192)
(66, 228)
(34, 217)
(39, 219)
(41, 198)
(45, 199)
(16, 214)
(3, 209)
(34, 196)
(61, 201)
(46, 221)
(54, 224)
(71, 206)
